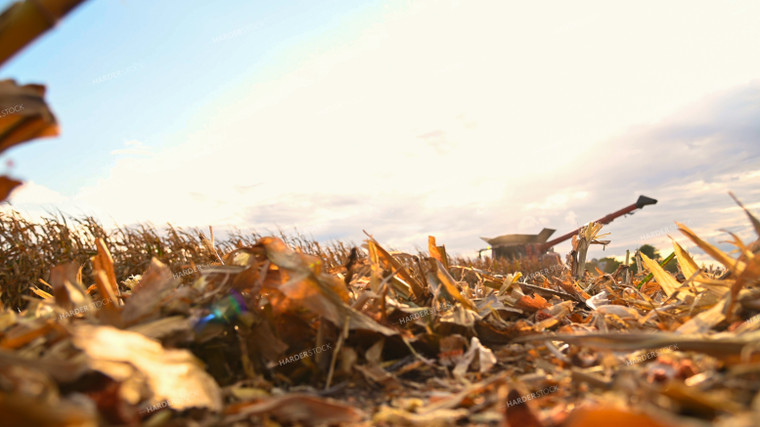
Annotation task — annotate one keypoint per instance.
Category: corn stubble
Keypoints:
(108, 332)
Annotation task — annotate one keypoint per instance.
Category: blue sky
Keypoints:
(458, 119)
(161, 69)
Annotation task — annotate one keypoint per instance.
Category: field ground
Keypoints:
(171, 327)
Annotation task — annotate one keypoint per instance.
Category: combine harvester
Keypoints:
(515, 246)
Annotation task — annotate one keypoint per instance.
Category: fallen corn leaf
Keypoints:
(296, 408)
(168, 373)
(668, 283)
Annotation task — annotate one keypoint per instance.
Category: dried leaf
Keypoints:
(685, 262)
(482, 358)
(399, 417)
(451, 288)
(103, 261)
(146, 299)
(711, 250)
(704, 321)
(6, 186)
(295, 408)
(68, 291)
(438, 252)
(535, 303)
(321, 300)
(168, 373)
(668, 283)
(34, 120)
(415, 286)
(755, 222)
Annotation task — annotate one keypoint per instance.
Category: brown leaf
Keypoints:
(755, 222)
(282, 256)
(147, 295)
(68, 291)
(6, 186)
(320, 299)
(35, 120)
(438, 252)
(172, 375)
(722, 257)
(390, 261)
(103, 261)
(320, 293)
(296, 408)
(451, 288)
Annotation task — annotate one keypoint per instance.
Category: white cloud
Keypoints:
(133, 147)
(33, 193)
(469, 120)
(35, 201)
(558, 201)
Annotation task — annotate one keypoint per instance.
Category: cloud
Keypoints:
(33, 193)
(689, 161)
(35, 201)
(134, 147)
(470, 120)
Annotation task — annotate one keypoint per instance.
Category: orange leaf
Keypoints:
(610, 416)
(438, 252)
(31, 118)
(386, 258)
(534, 303)
(6, 186)
(103, 261)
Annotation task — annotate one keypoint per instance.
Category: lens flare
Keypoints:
(224, 310)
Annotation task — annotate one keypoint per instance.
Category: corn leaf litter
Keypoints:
(270, 333)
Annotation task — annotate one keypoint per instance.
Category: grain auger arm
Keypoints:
(640, 203)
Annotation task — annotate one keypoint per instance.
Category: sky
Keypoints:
(402, 118)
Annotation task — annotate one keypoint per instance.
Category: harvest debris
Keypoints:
(413, 339)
